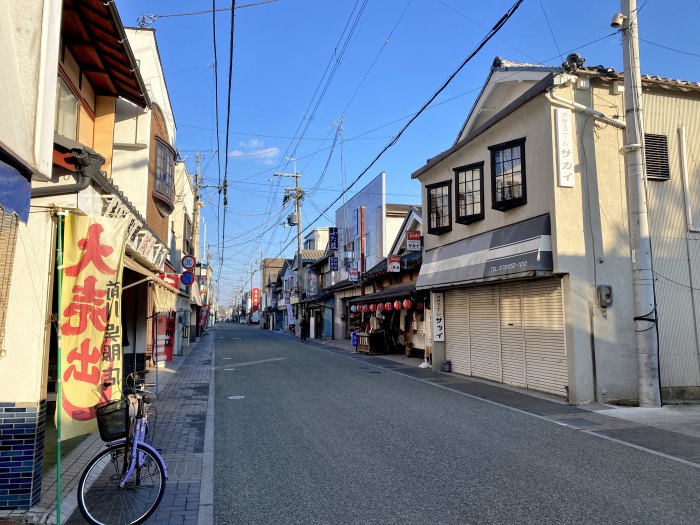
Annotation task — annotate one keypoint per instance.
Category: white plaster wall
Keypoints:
(393, 227)
(23, 369)
(143, 44)
(591, 244)
(29, 54)
(132, 135)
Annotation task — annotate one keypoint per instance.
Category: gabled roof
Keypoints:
(415, 214)
(506, 81)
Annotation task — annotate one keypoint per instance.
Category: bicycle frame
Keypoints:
(135, 460)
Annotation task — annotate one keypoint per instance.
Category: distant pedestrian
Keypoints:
(303, 328)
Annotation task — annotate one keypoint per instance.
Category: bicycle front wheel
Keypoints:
(103, 502)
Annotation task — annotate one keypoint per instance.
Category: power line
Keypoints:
(146, 20)
(497, 27)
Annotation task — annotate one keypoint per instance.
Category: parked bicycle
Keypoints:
(124, 483)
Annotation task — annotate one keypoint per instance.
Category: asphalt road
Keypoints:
(314, 437)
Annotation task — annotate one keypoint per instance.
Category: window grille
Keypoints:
(656, 155)
(8, 241)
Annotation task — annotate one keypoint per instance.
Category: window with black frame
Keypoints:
(508, 184)
(439, 207)
(165, 163)
(469, 185)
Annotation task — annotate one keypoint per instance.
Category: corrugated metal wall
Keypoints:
(676, 251)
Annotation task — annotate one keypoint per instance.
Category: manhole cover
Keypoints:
(236, 397)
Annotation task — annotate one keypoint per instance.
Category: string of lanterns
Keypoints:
(406, 304)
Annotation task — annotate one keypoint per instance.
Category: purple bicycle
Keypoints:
(124, 483)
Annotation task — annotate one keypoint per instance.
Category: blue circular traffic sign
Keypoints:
(187, 278)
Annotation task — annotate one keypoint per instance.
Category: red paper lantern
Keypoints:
(372, 308)
(406, 304)
(380, 307)
(365, 308)
(397, 305)
(388, 306)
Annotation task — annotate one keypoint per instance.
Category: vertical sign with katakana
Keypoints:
(437, 307)
(91, 339)
(565, 148)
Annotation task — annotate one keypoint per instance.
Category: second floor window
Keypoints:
(165, 163)
(67, 106)
(469, 184)
(508, 175)
(439, 208)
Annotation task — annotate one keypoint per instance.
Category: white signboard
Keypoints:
(393, 263)
(413, 241)
(565, 150)
(437, 307)
(290, 315)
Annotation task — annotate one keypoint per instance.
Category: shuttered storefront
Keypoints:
(511, 333)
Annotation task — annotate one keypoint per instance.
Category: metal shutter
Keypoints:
(484, 331)
(457, 331)
(545, 342)
(512, 339)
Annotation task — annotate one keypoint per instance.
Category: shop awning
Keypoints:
(398, 291)
(517, 250)
(164, 295)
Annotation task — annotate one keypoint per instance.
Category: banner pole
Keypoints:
(59, 261)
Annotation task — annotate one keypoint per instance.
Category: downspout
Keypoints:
(88, 163)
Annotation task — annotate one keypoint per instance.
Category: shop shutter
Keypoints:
(512, 340)
(484, 332)
(545, 343)
(457, 330)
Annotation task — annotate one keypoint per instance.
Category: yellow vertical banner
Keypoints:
(91, 356)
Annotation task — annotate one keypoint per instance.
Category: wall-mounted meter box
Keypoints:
(605, 295)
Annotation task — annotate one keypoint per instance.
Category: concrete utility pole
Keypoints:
(297, 194)
(197, 206)
(645, 324)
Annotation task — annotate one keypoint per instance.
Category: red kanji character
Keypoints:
(93, 252)
(88, 304)
(87, 369)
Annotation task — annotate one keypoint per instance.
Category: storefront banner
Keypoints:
(413, 241)
(91, 339)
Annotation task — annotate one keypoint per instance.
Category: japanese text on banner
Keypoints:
(91, 339)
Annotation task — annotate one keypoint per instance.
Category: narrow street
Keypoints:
(305, 434)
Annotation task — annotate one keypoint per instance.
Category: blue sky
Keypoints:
(398, 54)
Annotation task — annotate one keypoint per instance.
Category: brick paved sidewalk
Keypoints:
(180, 435)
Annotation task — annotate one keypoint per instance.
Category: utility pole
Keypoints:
(297, 194)
(197, 206)
(645, 322)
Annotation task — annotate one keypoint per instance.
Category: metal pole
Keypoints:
(59, 261)
(195, 212)
(645, 323)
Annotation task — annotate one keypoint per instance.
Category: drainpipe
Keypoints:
(88, 163)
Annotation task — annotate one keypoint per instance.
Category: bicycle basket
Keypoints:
(111, 420)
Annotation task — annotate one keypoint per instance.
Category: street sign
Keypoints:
(188, 262)
(393, 263)
(332, 239)
(413, 241)
(333, 262)
(187, 278)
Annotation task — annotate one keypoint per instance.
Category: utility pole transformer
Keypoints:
(645, 320)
